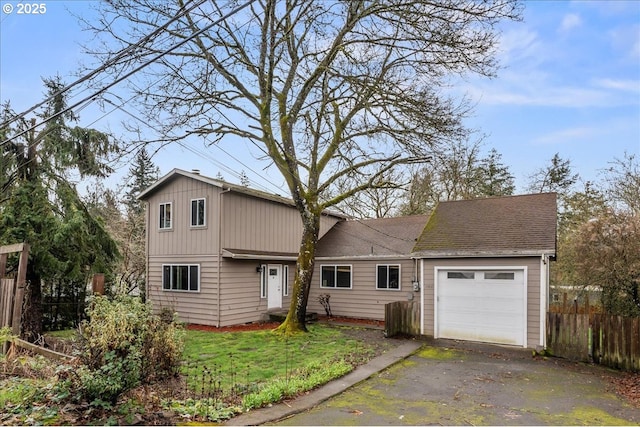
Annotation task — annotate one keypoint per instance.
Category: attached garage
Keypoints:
(488, 305)
(484, 269)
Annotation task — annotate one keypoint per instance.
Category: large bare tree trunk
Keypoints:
(296, 317)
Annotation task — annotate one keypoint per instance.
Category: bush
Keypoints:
(123, 345)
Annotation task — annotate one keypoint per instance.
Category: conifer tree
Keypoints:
(41, 206)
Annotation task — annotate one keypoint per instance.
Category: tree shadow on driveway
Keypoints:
(453, 383)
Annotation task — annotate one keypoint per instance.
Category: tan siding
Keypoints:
(259, 225)
(192, 307)
(182, 238)
(326, 223)
(363, 300)
(240, 300)
(533, 289)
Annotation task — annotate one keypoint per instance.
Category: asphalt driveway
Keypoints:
(452, 383)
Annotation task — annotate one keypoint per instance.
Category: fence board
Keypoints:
(610, 340)
(402, 317)
(6, 301)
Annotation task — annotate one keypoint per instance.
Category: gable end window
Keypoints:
(198, 212)
(335, 276)
(177, 277)
(388, 277)
(165, 216)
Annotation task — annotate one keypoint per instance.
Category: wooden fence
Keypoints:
(609, 340)
(402, 318)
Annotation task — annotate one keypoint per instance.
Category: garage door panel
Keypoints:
(480, 309)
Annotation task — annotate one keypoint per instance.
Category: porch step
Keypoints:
(279, 316)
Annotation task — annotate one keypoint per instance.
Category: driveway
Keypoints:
(453, 383)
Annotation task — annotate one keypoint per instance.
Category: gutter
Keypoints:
(218, 273)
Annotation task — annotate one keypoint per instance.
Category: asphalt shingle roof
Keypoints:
(494, 226)
(380, 237)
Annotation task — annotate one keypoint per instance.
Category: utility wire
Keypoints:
(119, 55)
(94, 96)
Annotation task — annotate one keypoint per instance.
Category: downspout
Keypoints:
(544, 301)
(219, 267)
(146, 252)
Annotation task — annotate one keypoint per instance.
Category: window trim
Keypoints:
(188, 278)
(204, 212)
(263, 281)
(285, 280)
(163, 212)
(335, 269)
(399, 277)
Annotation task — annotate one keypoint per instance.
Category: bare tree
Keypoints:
(326, 89)
(623, 181)
(452, 174)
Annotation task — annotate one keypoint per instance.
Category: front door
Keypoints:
(274, 286)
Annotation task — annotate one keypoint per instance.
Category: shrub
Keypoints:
(123, 345)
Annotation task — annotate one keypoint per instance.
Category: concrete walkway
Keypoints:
(308, 401)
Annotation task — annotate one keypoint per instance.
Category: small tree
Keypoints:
(623, 180)
(606, 252)
(557, 177)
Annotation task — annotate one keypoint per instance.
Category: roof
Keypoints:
(177, 173)
(498, 226)
(383, 237)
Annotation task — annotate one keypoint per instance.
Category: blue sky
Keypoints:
(569, 83)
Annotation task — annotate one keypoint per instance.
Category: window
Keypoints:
(461, 275)
(181, 278)
(285, 280)
(388, 277)
(263, 281)
(165, 216)
(499, 275)
(197, 212)
(335, 276)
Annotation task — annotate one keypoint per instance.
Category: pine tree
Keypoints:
(494, 177)
(141, 175)
(40, 205)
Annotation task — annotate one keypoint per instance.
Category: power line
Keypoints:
(119, 55)
(95, 95)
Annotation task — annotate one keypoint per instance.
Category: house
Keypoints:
(222, 254)
(364, 264)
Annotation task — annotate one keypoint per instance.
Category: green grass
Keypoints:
(256, 357)
(66, 334)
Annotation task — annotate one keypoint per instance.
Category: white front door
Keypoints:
(274, 286)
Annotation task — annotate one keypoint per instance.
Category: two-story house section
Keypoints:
(220, 254)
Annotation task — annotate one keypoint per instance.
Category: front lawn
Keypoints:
(223, 373)
(249, 358)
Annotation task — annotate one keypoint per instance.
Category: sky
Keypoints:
(569, 83)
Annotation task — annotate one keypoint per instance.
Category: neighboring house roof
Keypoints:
(176, 173)
(499, 226)
(371, 237)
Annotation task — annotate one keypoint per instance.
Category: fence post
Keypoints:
(97, 284)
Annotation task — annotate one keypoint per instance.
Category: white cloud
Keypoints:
(569, 135)
(621, 85)
(569, 22)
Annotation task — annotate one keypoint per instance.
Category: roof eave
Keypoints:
(483, 254)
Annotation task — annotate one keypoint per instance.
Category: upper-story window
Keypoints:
(165, 216)
(198, 212)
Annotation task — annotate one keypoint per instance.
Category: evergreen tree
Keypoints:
(40, 205)
(141, 175)
(494, 178)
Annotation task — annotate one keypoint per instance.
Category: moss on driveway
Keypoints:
(477, 385)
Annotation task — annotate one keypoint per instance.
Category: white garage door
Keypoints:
(477, 305)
